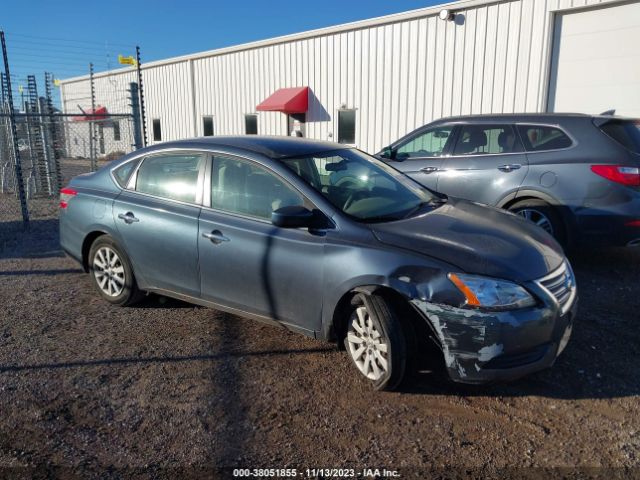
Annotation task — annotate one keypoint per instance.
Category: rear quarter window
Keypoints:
(625, 132)
(538, 138)
(123, 172)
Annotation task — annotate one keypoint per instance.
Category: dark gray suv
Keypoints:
(576, 176)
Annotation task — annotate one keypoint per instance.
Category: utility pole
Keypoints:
(92, 146)
(143, 116)
(14, 135)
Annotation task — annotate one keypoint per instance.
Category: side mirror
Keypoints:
(295, 216)
(401, 157)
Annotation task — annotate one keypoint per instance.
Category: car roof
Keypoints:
(516, 117)
(270, 146)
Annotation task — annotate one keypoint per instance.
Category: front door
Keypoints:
(249, 264)
(420, 156)
(487, 163)
(158, 221)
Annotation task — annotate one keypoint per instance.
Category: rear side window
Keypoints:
(123, 172)
(170, 176)
(625, 132)
(538, 138)
(486, 140)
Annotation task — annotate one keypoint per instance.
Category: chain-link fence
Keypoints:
(99, 137)
(50, 147)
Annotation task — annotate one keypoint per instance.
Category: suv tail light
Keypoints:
(66, 194)
(621, 174)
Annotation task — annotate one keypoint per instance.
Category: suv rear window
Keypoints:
(538, 138)
(625, 132)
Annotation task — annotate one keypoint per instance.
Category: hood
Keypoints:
(477, 239)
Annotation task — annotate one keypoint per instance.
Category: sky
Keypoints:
(63, 36)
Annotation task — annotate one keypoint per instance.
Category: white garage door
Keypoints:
(596, 61)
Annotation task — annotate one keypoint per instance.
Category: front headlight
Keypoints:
(483, 292)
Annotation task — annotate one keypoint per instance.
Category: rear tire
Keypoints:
(111, 272)
(376, 341)
(542, 214)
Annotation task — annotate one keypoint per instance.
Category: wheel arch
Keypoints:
(336, 330)
(566, 215)
(89, 239)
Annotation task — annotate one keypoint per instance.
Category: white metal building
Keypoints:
(395, 73)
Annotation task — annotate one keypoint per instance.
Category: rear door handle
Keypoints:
(128, 217)
(509, 167)
(429, 169)
(216, 237)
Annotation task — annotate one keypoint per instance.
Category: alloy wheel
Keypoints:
(108, 271)
(367, 345)
(537, 217)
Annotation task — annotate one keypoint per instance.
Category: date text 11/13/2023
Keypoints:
(316, 473)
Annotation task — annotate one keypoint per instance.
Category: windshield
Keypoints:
(360, 185)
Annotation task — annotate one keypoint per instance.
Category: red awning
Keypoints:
(100, 113)
(287, 100)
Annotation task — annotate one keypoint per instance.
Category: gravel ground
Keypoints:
(167, 387)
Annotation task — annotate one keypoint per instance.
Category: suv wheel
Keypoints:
(543, 215)
(376, 342)
(111, 272)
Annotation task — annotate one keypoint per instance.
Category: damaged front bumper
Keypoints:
(485, 346)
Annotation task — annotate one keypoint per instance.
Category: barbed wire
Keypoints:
(64, 58)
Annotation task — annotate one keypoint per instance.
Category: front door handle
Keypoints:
(429, 169)
(216, 237)
(509, 167)
(128, 217)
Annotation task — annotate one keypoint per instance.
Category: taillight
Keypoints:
(66, 194)
(622, 174)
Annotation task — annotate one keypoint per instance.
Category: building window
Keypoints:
(207, 126)
(157, 133)
(346, 126)
(251, 124)
(116, 130)
(101, 137)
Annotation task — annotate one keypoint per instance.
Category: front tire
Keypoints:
(111, 272)
(376, 341)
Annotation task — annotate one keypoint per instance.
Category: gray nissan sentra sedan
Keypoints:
(329, 242)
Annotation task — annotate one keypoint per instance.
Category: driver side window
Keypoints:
(246, 188)
(430, 143)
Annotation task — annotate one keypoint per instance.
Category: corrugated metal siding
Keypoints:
(398, 76)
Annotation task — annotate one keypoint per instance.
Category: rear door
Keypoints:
(157, 218)
(486, 163)
(420, 155)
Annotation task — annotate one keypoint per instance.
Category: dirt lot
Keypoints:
(165, 387)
